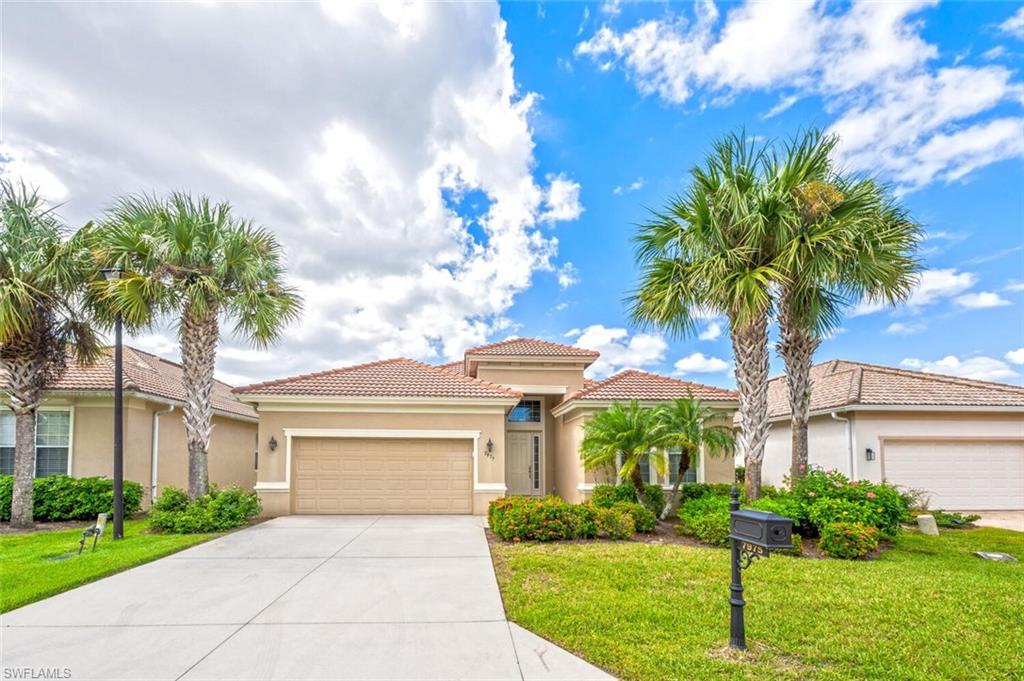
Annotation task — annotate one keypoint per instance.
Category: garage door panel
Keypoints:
(344, 475)
(960, 474)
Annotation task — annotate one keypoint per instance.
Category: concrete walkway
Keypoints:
(1007, 520)
(300, 597)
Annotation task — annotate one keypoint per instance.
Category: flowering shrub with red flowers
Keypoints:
(848, 540)
(877, 504)
(548, 519)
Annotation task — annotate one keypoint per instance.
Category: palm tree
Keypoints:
(849, 240)
(42, 323)
(193, 259)
(714, 250)
(688, 428)
(624, 437)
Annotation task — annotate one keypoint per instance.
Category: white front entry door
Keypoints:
(523, 463)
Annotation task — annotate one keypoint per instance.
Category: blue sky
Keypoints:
(450, 174)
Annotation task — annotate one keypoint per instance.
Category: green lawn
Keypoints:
(27, 574)
(926, 609)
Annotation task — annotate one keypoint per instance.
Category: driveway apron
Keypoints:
(297, 597)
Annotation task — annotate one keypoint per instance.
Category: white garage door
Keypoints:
(966, 475)
(371, 475)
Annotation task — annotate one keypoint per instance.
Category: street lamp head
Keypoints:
(111, 273)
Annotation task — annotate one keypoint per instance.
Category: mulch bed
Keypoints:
(7, 528)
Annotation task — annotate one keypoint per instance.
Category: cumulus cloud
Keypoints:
(932, 286)
(1014, 25)
(354, 131)
(568, 275)
(619, 350)
(895, 111)
(902, 329)
(980, 368)
(711, 332)
(981, 300)
(698, 363)
(1016, 356)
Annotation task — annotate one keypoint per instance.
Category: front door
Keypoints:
(523, 463)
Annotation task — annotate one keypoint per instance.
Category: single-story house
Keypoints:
(959, 440)
(75, 427)
(400, 436)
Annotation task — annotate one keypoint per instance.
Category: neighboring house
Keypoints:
(75, 427)
(959, 440)
(400, 436)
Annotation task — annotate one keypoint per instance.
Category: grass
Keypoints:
(926, 609)
(28, 573)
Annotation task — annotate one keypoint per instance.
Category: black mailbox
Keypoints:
(761, 529)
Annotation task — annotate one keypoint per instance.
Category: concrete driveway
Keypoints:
(1007, 520)
(299, 597)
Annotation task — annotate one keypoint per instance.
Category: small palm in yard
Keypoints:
(193, 259)
(42, 323)
(624, 436)
(688, 427)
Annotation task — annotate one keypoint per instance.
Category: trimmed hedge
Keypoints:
(606, 496)
(61, 497)
(706, 518)
(644, 519)
(848, 540)
(615, 522)
(547, 519)
(220, 509)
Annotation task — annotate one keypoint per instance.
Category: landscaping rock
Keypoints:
(995, 555)
(926, 524)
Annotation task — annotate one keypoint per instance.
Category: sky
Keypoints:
(451, 174)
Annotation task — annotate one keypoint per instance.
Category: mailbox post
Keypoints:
(753, 534)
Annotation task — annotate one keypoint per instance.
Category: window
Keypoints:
(536, 462)
(673, 468)
(645, 469)
(527, 411)
(53, 438)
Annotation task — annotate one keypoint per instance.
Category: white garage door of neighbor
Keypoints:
(965, 475)
(371, 475)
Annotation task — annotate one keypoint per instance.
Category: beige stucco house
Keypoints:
(400, 436)
(959, 440)
(75, 427)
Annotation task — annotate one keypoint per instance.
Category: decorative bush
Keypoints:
(615, 522)
(782, 504)
(60, 497)
(829, 511)
(890, 506)
(644, 519)
(848, 540)
(220, 509)
(548, 519)
(606, 496)
(706, 518)
(696, 490)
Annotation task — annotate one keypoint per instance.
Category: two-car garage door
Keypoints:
(377, 475)
(960, 474)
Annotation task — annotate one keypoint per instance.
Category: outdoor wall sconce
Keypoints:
(489, 448)
(273, 443)
(869, 454)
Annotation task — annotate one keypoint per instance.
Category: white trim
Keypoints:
(538, 389)
(71, 439)
(339, 400)
(381, 408)
(585, 487)
(968, 409)
(272, 487)
(488, 487)
(135, 394)
(716, 405)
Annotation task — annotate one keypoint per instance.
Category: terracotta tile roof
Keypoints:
(456, 367)
(532, 347)
(147, 374)
(633, 384)
(385, 378)
(840, 383)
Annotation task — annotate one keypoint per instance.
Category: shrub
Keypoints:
(782, 504)
(741, 474)
(696, 490)
(220, 509)
(706, 518)
(829, 511)
(643, 519)
(955, 520)
(615, 522)
(890, 506)
(548, 519)
(848, 540)
(61, 497)
(606, 496)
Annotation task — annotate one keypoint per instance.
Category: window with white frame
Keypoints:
(527, 411)
(53, 440)
(673, 467)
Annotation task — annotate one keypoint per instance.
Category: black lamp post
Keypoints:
(110, 275)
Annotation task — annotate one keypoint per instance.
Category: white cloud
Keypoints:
(980, 368)
(1015, 356)
(568, 275)
(1014, 25)
(633, 186)
(1014, 286)
(619, 350)
(901, 329)
(981, 300)
(710, 332)
(353, 144)
(896, 113)
(932, 286)
(698, 363)
(572, 333)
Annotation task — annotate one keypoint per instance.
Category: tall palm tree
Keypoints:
(624, 436)
(688, 425)
(849, 240)
(42, 323)
(193, 259)
(714, 250)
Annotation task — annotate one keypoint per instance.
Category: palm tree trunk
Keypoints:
(673, 498)
(797, 347)
(22, 385)
(638, 484)
(750, 347)
(199, 337)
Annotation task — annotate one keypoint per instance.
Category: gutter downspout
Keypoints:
(154, 459)
(849, 441)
